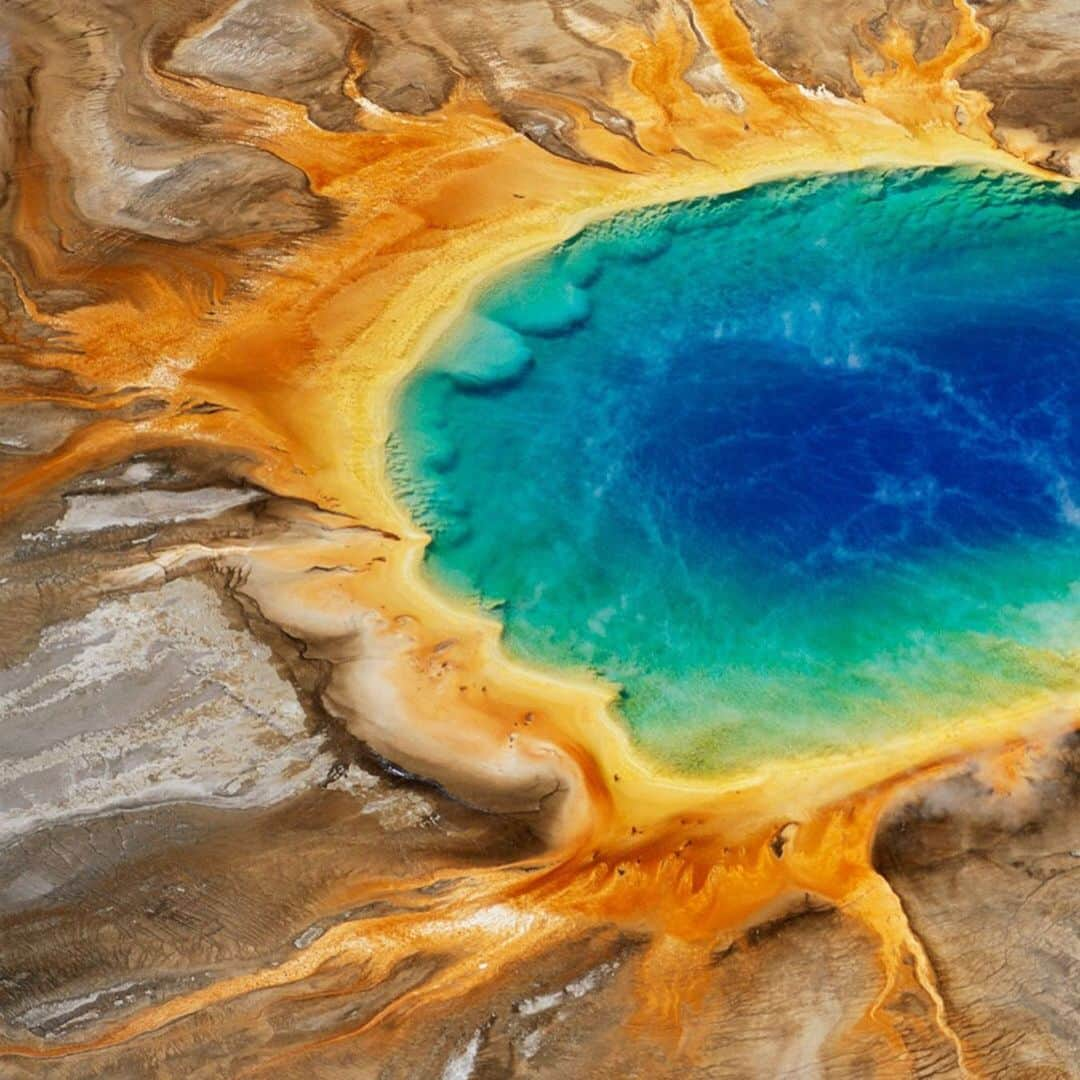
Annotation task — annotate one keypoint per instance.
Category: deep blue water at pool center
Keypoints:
(797, 467)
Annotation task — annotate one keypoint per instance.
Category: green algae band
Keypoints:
(796, 468)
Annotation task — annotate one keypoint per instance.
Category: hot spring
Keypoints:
(795, 468)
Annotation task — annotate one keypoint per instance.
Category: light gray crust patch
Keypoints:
(148, 698)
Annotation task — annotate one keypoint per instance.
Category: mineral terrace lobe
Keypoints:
(178, 804)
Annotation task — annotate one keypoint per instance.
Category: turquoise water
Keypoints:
(797, 468)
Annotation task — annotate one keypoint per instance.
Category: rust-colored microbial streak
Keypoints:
(690, 888)
(301, 363)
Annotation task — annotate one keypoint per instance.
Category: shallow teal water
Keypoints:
(796, 468)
